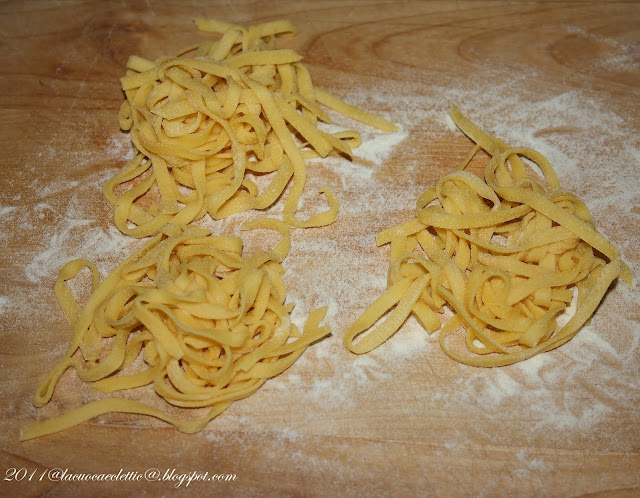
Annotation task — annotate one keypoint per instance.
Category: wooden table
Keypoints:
(406, 419)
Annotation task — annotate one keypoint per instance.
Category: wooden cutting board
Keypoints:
(404, 420)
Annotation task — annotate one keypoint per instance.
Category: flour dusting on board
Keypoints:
(63, 219)
(376, 148)
(4, 304)
(567, 393)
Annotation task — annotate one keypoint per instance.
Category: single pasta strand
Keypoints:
(520, 250)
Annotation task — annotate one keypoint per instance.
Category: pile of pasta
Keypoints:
(209, 121)
(505, 254)
(187, 313)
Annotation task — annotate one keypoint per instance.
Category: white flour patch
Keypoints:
(4, 304)
(377, 148)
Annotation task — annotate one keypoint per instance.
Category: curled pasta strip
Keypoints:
(208, 121)
(505, 253)
(209, 325)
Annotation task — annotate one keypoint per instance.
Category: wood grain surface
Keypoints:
(396, 422)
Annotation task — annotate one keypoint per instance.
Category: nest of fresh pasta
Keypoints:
(209, 324)
(499, 259)
(209, 121)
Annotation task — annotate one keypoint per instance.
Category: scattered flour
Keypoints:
(377, 148)
(620, 57)
(98, 245)
(4, 210)
(119, 147)
(4, 304)
(59, 219)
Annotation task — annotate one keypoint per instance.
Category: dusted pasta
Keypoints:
(506, 254)
(209, 121)
(190, 315)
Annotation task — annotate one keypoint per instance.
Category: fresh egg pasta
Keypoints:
(188, 314)
(209, 121)
(505, 253)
